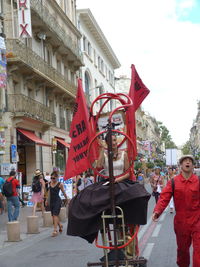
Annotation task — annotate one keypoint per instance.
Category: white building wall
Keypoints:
(97, 77)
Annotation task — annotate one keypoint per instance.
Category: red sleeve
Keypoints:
(17, 183)
(164, 199)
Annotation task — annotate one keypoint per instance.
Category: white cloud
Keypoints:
(164, 50)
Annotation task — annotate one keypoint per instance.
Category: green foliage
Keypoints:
(159, 163)
(137, 165)
(150, 165)
(186, 149)
(165, 136)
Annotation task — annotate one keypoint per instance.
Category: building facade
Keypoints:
(195, 135)
(43, 62)
(148, 134)
(100, 61)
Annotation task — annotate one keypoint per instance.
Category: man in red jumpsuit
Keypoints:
(187, 206)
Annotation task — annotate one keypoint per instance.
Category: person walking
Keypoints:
(2, 203)
(38, 187)
(13, 200)
(186, 192)
(157, 183)
(169, 177)
(55, 202)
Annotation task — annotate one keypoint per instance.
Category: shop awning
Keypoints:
(31, 136)
(61, 141)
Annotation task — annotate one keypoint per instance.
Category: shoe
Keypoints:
(55, 233)
(61, 229)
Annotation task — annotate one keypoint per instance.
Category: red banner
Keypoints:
(138, 91)
(80, 133)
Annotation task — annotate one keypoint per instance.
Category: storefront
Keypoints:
(30, 151)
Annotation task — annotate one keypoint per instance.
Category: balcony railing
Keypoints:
(53, 25)
(24, 106)
(18, 51)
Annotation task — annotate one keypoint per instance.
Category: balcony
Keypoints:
(19, 52)
(24, 106)
(59, 32)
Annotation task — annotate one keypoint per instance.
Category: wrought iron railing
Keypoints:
(18, 103)
(19, 51)
(53, 25)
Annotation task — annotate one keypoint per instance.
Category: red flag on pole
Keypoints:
(138, 91)
(80, 133)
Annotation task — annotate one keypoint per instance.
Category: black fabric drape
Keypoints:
(85, 209)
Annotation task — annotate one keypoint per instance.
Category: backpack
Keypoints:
(7, 189)
(36, 185)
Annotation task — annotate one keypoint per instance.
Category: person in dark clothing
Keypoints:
(55, 202)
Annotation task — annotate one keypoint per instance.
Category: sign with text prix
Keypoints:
(24, 18)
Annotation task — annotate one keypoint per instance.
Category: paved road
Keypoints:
(156, 241)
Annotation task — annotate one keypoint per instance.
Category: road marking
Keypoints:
(145, 238)
(156, 230)
(147, 251)
(144, 228)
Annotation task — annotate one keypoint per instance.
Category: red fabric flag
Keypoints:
(138, 91)
(80, 133)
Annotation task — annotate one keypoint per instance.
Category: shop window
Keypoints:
(60, 157)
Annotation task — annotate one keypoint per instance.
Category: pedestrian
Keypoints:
(140, 177)
(55, 202)
(157, 183)
(38, 187)
(13, 200)
(80, 183)
(169, 177)
(2, 203)
(186, 192)
(88, 180)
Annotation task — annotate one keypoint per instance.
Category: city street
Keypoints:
(156, 241)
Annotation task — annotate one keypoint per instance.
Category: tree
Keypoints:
(165, 136)
(186, 149)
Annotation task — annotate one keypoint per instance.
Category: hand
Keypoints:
(46, 203)
(155, 217)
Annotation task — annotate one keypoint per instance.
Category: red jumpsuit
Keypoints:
(187, 218)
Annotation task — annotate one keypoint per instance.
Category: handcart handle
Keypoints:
(118, 247)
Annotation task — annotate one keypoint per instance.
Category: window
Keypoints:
(95, 60)
(30, 93)
(87, 85)
(101, 91)
(99, 62)
(68, 118)
(84, 43)
(65, 72)
(102, 66)
(59, 65)
(89, 49)
(49, 57)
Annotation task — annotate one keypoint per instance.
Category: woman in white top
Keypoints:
(120, 161)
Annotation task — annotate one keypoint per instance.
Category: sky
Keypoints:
(162, 39)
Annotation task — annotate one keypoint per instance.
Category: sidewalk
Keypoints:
(24, 212)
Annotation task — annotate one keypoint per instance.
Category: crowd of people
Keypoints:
(176, 188)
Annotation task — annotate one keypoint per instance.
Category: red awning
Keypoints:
(30, 135)
(63, 142)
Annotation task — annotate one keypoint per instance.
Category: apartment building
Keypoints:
(99, 59)
(43, 62)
